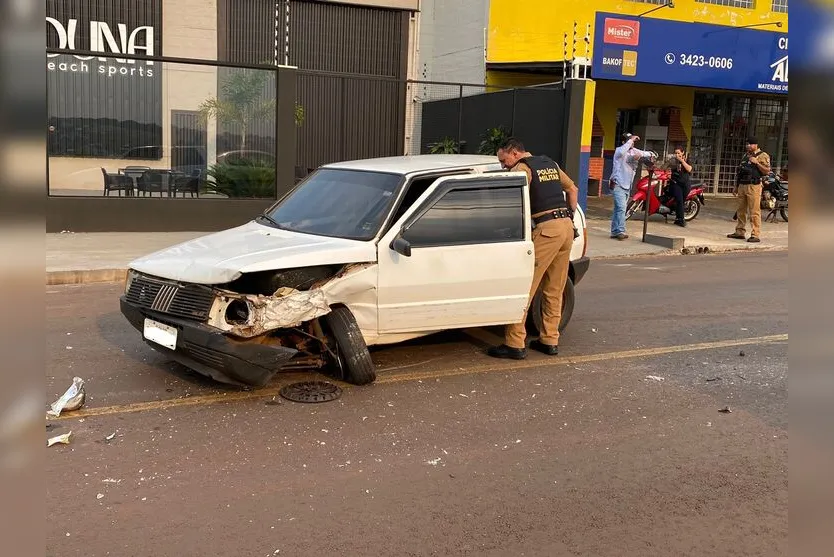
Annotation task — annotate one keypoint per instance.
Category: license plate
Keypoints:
(161, 334)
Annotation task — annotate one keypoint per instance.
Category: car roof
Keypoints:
(416, 164)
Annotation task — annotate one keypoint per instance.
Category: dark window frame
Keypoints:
(502, 183)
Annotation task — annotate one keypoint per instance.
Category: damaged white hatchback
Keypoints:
(360, 253)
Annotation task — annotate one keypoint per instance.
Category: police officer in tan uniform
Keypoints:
(553, 236)
(754, 166)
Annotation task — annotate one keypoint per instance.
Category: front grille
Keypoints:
(189, 301)
(205, 355)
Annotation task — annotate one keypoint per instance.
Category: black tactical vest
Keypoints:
(545, 187)
(680, 175)
(749, 173)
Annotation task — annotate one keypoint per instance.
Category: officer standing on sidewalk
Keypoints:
(754, 166)
(553, 235)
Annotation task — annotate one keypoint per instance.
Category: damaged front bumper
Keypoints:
(210, 352)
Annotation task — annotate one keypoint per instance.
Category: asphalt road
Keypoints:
(601, 451)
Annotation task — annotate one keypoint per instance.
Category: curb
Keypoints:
(88, 276)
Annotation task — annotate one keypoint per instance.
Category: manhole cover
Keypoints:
(311, 391)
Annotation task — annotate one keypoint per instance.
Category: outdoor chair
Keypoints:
(151, 181)
(134, 173)
(116, 182)
(186, 184)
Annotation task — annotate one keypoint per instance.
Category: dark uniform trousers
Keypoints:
(552, 243)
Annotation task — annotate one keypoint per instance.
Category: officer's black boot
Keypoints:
(507, 352)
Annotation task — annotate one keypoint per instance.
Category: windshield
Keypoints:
(340, 203)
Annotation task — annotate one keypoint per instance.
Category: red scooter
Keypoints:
(665, 203)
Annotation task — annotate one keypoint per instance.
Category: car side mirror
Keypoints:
(401, 246)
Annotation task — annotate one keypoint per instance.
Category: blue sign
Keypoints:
(813, 44)
(695, 54)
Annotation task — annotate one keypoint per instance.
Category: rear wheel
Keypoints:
(691, 209)
(784, 212)
(354, 360)
(534, 316)
(633, 207)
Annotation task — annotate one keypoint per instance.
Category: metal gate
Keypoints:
(721, 125)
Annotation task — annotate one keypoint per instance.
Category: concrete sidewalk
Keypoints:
(103, 257)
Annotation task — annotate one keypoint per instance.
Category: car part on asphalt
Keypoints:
(63, 439)
(311, 391)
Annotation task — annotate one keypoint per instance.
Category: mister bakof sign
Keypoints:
(102, 38)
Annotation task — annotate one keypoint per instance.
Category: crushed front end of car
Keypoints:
(234, 333)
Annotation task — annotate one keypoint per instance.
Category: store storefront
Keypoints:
(706, 87)
(210, 109)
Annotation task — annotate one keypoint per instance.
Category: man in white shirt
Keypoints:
(625, 166)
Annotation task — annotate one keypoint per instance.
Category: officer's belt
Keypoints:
(553, 215)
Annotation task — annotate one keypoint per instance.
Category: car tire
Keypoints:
(534, 316)
(355, 358)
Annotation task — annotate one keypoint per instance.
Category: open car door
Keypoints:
(461, 256)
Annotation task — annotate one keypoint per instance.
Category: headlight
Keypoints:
(237, 312)
(131, 275)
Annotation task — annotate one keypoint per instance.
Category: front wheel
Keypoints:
(535, 317)
(632, 207)
(691, 209)
(354, 359)
(784, 212)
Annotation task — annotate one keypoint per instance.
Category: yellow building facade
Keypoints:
(708, 94)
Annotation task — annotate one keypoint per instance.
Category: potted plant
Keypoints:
(242, 178)
(446, 146)
(492, 140)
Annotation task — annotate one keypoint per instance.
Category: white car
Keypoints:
(360, 253)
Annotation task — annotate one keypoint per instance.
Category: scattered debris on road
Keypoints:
(726, 410)
(434, 461)
(711, 379)
(71, 400)
(742, 354)
(100, 496)
(63, 439)
(110, 437)
(654, 378)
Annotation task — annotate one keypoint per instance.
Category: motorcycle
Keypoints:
(665, 203)
(774, 197)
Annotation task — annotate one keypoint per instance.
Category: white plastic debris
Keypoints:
(433, 462)
(111, 436)
(654, 378)
(72, 399)
(64, 439)
(100, 496)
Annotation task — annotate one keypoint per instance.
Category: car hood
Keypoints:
(222, 257)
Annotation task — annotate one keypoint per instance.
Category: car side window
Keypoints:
(470, 216)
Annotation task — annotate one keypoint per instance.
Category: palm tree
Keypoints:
(244, 101)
